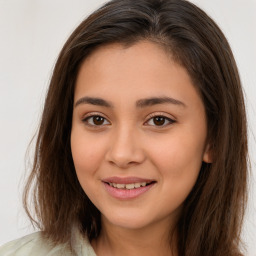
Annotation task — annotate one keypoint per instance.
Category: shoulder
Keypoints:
(31, 245)
(35, 244)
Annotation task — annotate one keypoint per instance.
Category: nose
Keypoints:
(125, 149)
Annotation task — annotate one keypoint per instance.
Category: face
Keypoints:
(138, 134)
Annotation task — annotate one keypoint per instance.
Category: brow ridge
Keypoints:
(158, 100)
(142, 103)
(93, 101)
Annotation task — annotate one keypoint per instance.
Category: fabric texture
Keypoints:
(35, 245)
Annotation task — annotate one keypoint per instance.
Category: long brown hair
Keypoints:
(212, 215)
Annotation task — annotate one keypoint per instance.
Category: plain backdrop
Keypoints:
(32, 32)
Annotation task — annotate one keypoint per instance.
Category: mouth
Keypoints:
(130, 185)
(127, 188)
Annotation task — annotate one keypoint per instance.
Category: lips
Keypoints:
(126, 180)
(128, 187)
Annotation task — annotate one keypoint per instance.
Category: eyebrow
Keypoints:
(158, 100)
(142, 103)
(94, 101)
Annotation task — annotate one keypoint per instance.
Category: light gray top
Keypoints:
(35, 245)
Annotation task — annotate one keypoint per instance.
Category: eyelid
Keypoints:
(92, 114)
(161, 114)
(149, 117)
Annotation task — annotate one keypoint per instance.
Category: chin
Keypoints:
(127, 221)
(132, 221)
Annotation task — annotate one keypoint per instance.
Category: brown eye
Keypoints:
(159, 120)
(96, 120)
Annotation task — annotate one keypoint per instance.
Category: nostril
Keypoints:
(123, 163)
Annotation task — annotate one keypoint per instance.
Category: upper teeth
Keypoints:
(128, 186)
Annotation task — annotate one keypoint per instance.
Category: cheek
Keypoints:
(178, 159)
(177, 155)
(178, 163)
(87, 153)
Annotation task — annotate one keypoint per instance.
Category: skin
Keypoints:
(128, 141)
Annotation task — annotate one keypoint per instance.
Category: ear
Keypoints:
(207, 156)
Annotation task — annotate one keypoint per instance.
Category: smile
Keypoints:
(127, 188)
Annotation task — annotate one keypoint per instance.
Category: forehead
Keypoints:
(141, 70)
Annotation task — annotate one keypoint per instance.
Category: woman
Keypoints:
(142, 148)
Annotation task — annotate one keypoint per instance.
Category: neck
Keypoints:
(155, 239)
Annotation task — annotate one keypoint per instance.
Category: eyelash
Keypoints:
(171, 121)
(151, 116)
